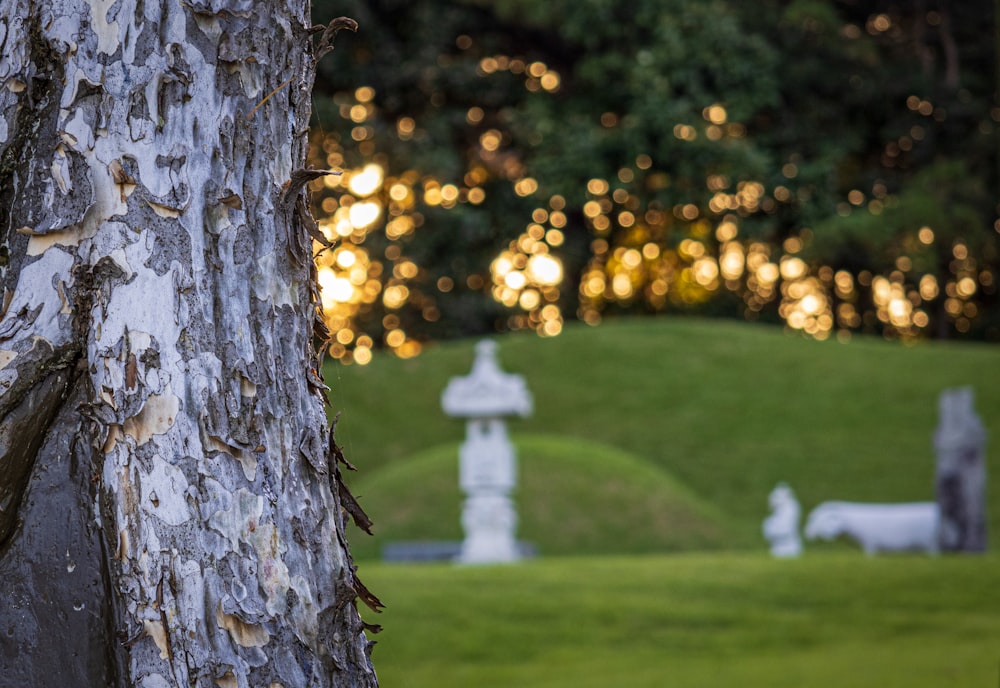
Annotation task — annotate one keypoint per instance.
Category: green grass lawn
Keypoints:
(655, 443)
(719, 619)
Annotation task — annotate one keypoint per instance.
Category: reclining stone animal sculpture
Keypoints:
(878, 527)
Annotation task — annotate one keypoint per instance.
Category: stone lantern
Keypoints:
(487, 462)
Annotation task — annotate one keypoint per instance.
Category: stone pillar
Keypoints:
(487, 463)
(960, 443)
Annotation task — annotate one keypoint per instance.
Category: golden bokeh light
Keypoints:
(544, 270)
(716, 114)
(490, 140)
(731, 261)
(362, 355)
(345, 258)
(367, 181)
(597, 187)
(726, 231)
(364, 213)
(550, 81)
(526, 187)
(768, 273)
(474, 115)
(792, 268)
(685, 132)
(405, 126)
(399, 192)
(966, 287)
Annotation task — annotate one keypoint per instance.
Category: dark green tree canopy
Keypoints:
(829, 165)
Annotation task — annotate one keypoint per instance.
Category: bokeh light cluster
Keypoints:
(641, 253)
(350, 207)
(527, 275)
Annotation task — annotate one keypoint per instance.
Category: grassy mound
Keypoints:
(727, 408)
(574, 497)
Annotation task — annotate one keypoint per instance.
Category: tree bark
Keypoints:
(170, 504)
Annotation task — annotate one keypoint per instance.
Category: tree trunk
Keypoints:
(170, 504)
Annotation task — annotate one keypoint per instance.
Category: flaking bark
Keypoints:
(166, 511)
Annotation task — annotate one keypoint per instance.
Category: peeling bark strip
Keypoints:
(351, 508)
(21, 434)
(154, 229)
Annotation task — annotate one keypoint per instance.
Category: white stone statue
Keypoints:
(487, 463)
(489, 521)
(486, 458)
(486, 392)
(878, 527)
(781, 528)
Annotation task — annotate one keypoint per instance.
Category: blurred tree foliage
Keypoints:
(828, 164)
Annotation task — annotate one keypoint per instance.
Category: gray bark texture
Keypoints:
(171, 510)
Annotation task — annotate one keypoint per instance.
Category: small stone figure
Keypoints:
(781, 528)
